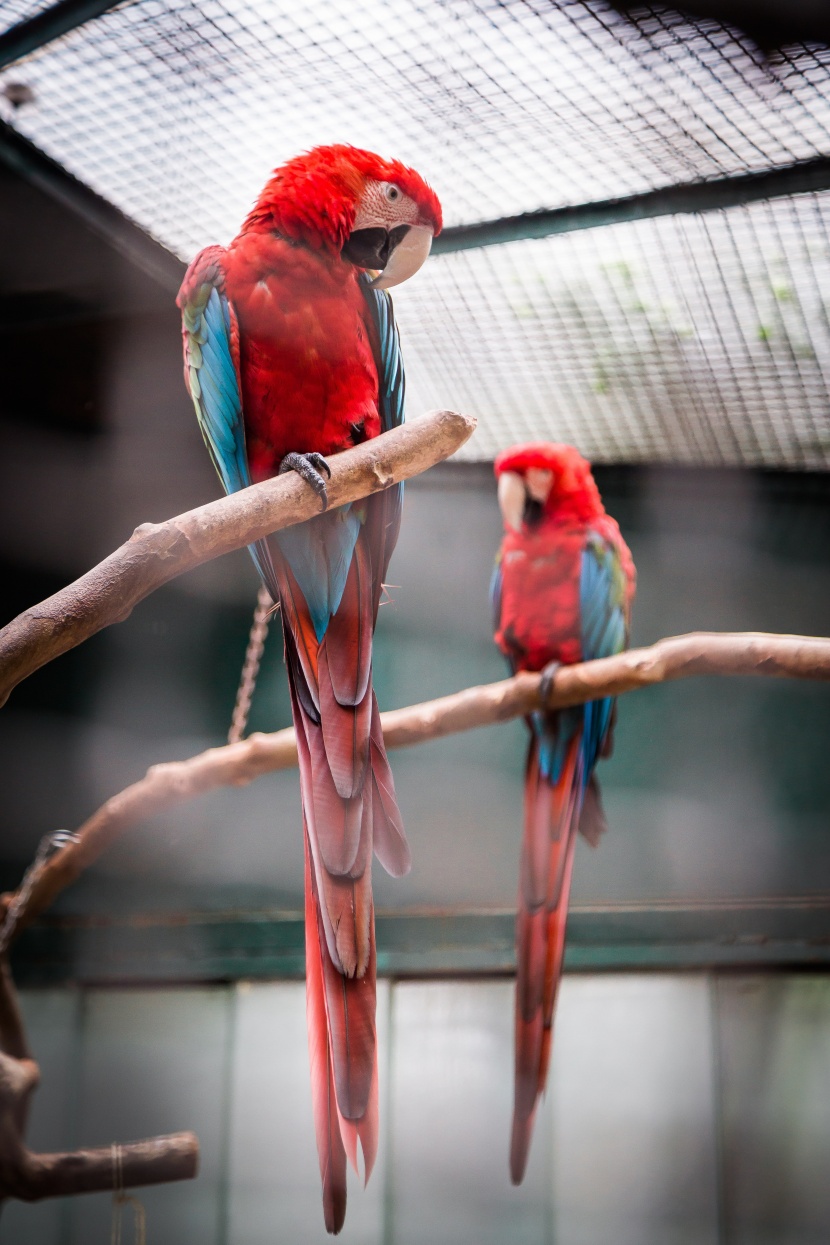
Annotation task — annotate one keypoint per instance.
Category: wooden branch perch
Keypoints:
(158, 552)
(31, 1176)
(678, 657)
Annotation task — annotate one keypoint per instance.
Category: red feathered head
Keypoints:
(554, 476)
(375, 213)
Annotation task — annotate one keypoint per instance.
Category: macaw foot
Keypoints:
(546, 681)
(309, 467)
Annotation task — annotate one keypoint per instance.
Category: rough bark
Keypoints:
(678, 657)
(158, 552)
(31, 1176)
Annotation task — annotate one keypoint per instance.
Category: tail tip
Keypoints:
(334, 1213)
(519, 1149)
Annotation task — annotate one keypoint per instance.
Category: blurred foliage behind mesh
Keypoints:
(697, 339)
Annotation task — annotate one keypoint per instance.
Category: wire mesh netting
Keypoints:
(13, 11)
(177, 110)
(645, 341)
(686, 338)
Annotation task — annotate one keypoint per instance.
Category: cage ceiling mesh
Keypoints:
(695, 339)
(13, 11)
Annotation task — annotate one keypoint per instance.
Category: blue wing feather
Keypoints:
(214, 388)
(602, 609)
(496, 587)
(603, 633)
(221, 401)
(391, 379)
(319, 553)
(391, 408)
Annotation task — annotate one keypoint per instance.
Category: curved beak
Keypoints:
(512, 498)
(406, 258)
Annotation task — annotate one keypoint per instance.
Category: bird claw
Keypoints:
(546, 680)
(309, 467)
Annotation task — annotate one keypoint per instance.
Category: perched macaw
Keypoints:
(292, 353)
(562, 593)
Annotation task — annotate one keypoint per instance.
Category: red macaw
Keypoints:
(562, 593)
(291, 353)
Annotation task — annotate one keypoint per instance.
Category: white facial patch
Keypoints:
(537, 482)
(383, 206)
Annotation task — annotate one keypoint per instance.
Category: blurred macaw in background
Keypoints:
(562, 592)
(291, 353)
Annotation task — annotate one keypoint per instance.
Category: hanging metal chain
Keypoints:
(250, 668)
(49, 845)
(120, 1199)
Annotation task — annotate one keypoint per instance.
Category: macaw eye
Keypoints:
(392, 192)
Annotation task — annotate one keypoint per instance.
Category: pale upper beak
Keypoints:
(512, 498)
(407, 257)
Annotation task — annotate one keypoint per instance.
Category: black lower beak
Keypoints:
(371, 248)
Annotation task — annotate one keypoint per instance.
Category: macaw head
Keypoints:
(376, 214)
(545, 479)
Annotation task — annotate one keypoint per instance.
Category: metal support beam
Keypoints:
(29, 35)
(218, 946)
(708, 196)
(102, 217)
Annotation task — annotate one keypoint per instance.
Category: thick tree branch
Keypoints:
(32, 1176)
(157, 1160)
(12, 1034)
(157, 552)
(14, 1048)
(678, 657)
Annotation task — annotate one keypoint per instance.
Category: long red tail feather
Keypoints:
(330, 1148)
(551, 816)
(391, 846)
(348, 796)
